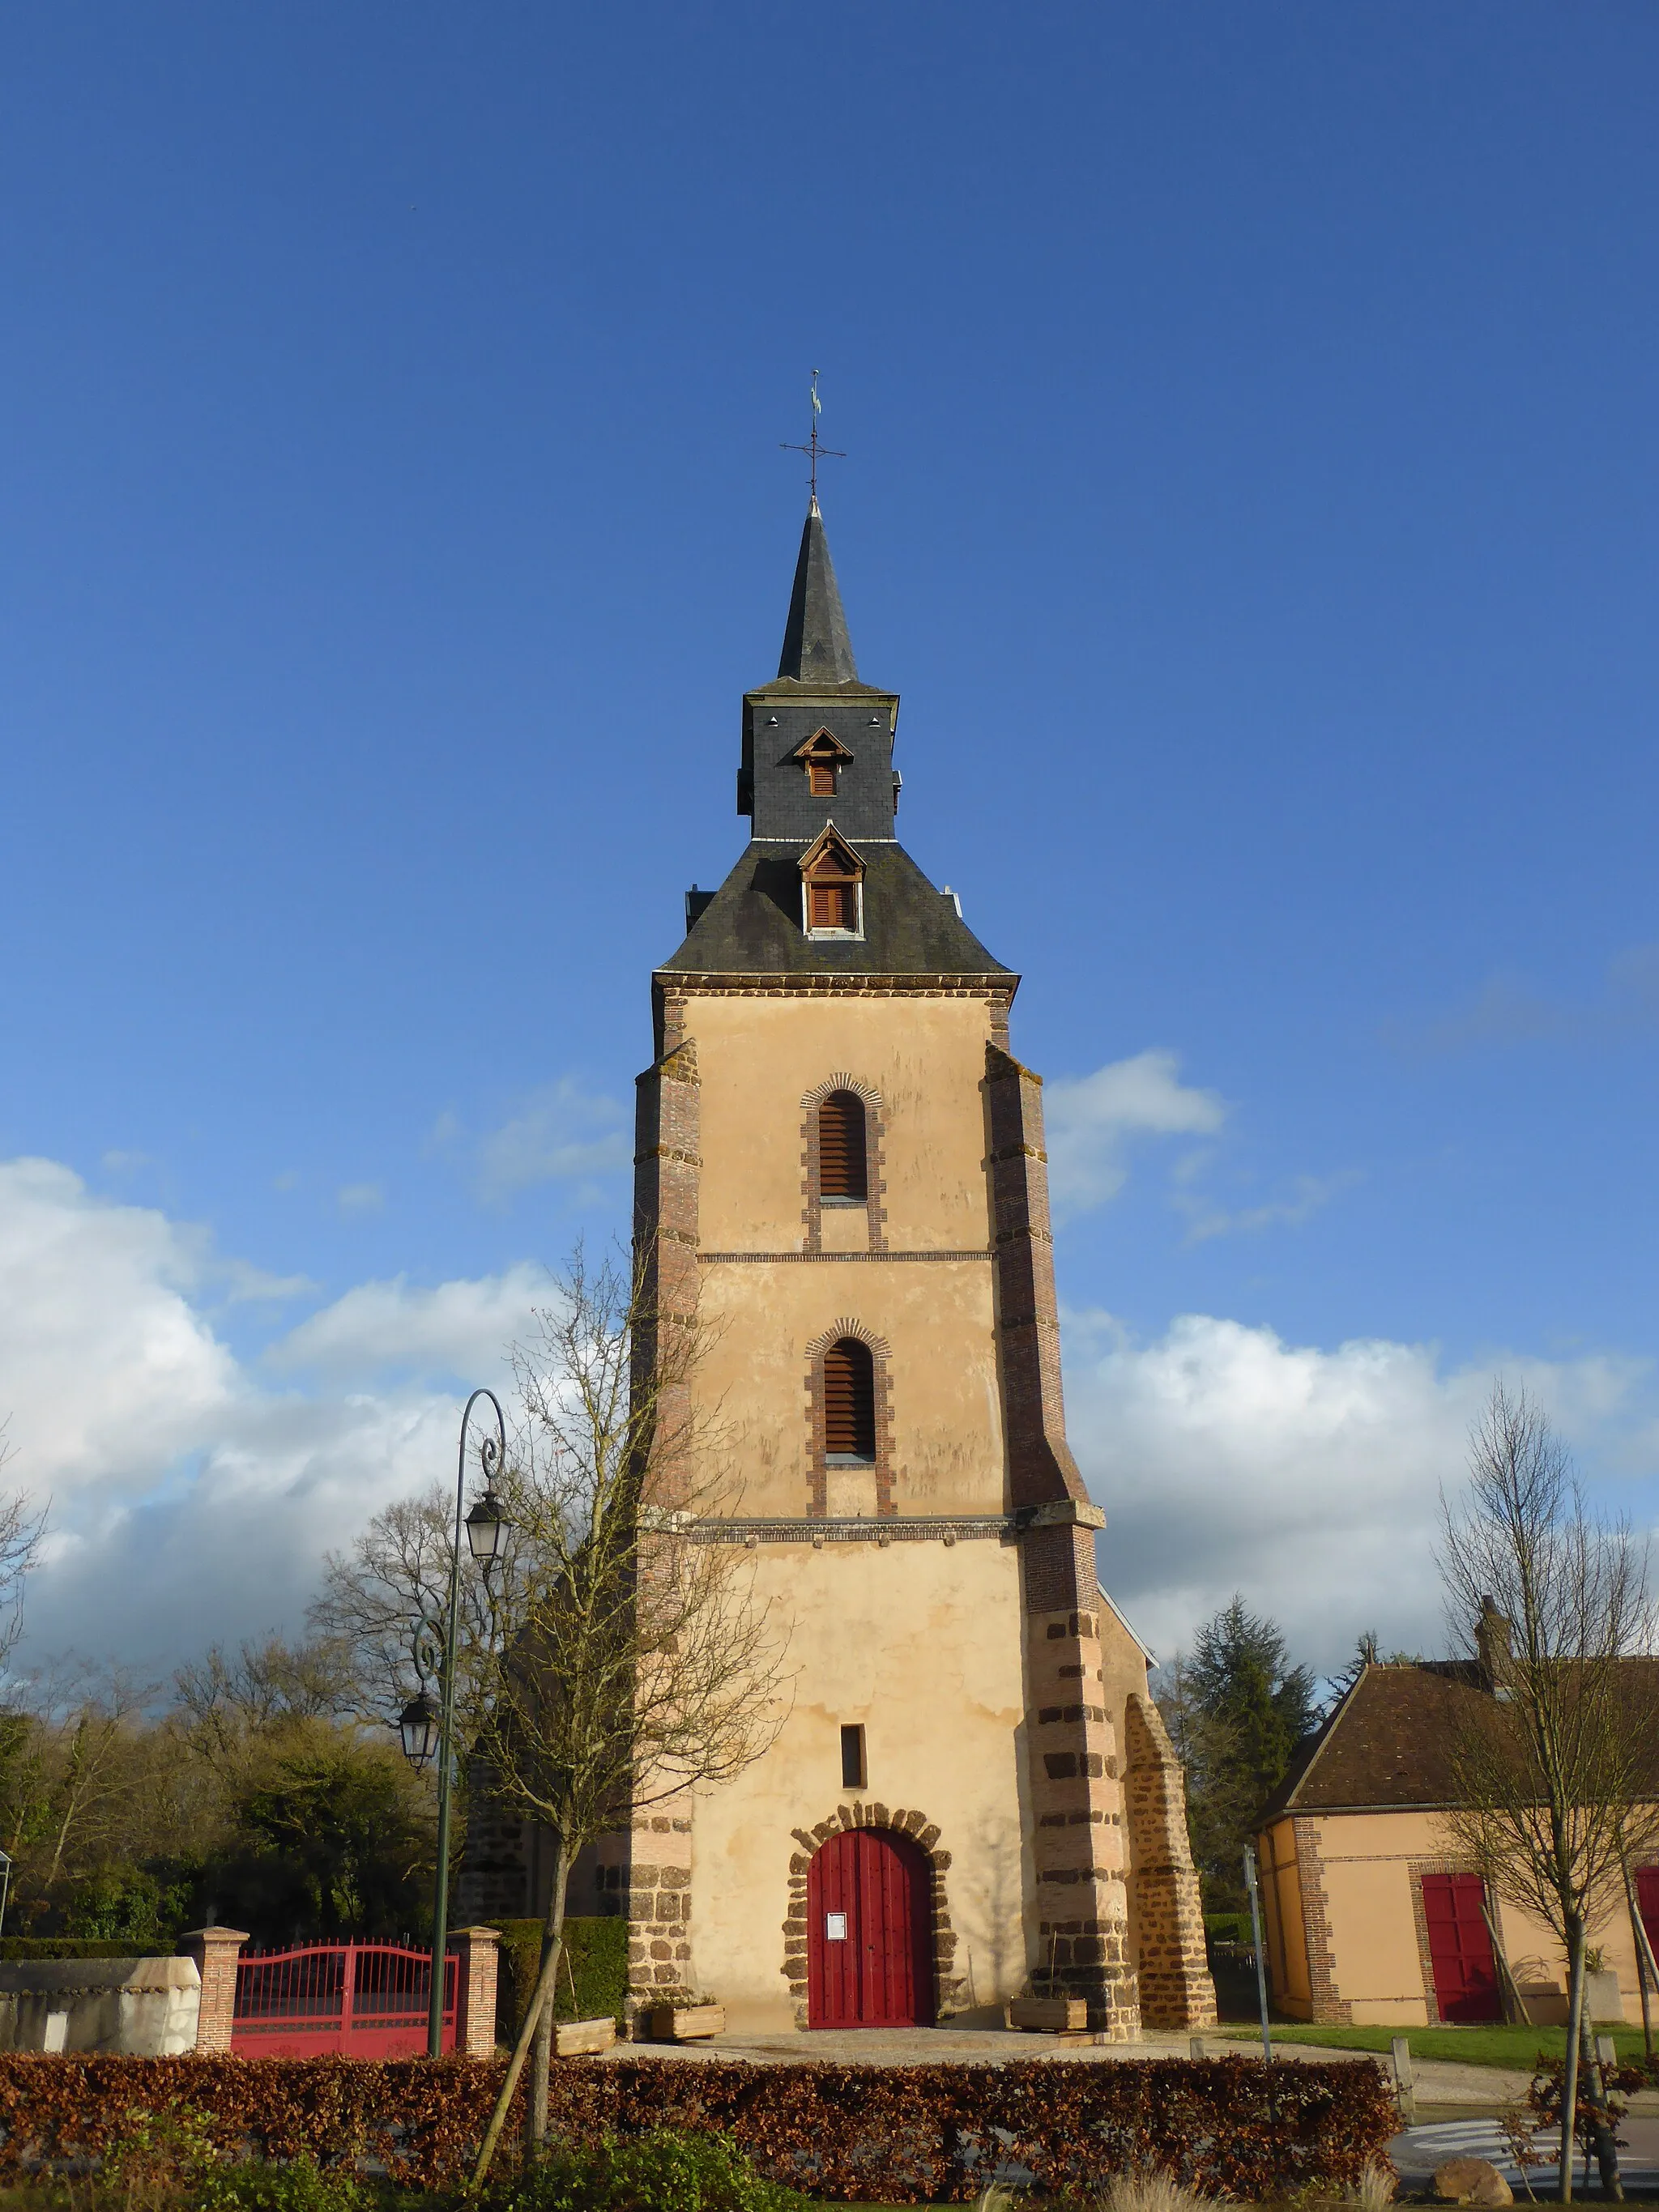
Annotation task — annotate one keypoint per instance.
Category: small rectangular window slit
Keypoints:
(853, 1776)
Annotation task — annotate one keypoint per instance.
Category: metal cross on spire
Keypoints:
(815, 452)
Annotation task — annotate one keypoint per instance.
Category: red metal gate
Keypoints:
(368, 2000)
(869, 1952)
(1460, 1947)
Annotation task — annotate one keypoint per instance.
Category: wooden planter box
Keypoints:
(1049, 2015)
(686, 2023)
(581, 2039)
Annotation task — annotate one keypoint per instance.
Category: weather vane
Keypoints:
(814, 452)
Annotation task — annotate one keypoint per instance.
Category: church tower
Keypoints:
(839, 1159)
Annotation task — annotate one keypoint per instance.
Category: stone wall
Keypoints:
(658, 1907)
(1171, 1958)
(138, 2008)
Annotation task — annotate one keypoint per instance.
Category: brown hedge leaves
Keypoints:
(902, 2134)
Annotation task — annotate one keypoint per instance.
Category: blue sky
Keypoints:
(1251, 488)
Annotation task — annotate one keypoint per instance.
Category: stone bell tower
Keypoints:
(838, 1155)
(840, 1162)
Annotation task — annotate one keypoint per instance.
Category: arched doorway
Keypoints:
(870, 1940)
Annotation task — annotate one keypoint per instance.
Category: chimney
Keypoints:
(1492, 1643)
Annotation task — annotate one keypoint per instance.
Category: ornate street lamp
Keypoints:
(486, 1530)
(419, 1726)
(425, 1732)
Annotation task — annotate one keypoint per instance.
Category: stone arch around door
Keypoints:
(920, 1831)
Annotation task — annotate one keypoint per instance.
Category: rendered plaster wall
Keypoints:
(935, 1324)
(758, 1057)
(919, 1643)
(1363, 1910)
(922, 1062)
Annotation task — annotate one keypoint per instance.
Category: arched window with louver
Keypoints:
(849, 1401)
(842, 1177)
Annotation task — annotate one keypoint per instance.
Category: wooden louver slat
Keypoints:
(833, 906)
(842, 1147)
(849, 1398)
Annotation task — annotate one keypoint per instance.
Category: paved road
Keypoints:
(1418, 2151)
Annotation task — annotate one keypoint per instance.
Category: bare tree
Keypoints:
(21, 1531)
(1551, 1771)
(381, 1609)
(71, 1773)
(230, 1700)
(638, 1663)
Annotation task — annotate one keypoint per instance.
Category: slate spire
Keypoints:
(816, 646)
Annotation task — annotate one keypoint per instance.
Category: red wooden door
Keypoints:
(869, 1950)
(1460, 1947)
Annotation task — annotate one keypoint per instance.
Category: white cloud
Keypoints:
(559, 1131)
(1309, 1479)
(1090, 1121)
(106, 1366)
(246, 1285)
(457, 1328)
(1206, 1219)
(193, 1496)
(360, 1198)
(1509, 1011)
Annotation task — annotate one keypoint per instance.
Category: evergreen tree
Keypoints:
(1237, 1708)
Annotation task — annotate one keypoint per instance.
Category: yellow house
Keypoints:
(841, 1164)
(1372, 1917)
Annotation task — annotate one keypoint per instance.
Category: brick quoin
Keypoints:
(1329, 2008)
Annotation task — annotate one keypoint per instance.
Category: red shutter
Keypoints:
(1460, 1947)
(1647, 1902)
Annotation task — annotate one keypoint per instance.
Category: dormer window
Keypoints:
(821, 757)
(832, 888)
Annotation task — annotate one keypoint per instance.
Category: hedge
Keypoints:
(595, 1960)
(902, 2134)
(81, 1947)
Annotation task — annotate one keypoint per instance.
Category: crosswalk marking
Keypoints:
(1419, 2150)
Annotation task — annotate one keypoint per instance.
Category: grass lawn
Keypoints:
(1515, 2047)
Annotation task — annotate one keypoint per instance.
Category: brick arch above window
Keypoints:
(818, 1414)
(812, 1159)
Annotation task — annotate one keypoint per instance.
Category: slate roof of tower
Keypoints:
(1388, 1744)
(752, 925)
(816, 648)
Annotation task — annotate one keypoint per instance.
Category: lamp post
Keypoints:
(426, 1732)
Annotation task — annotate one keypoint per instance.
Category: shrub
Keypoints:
(592, 1981)
(301, 2185)
(158, 2156)
(80, 1946)
(896, 2135)
(662, 2171)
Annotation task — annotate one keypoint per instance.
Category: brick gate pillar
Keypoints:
(215, 1951)
(475, 1991)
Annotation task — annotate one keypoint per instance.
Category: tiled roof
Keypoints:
(1388, 1744)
